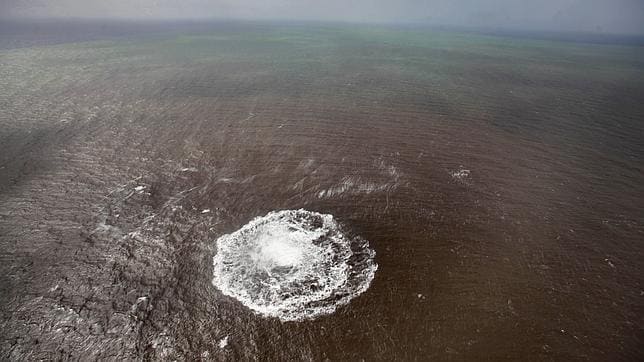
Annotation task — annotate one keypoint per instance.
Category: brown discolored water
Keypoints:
(498, 180)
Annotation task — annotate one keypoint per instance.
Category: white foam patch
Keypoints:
(461, 174)
(223, 342)
(293, 265)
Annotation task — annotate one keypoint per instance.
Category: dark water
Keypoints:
(499, 181)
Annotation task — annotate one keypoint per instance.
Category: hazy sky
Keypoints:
(613, 16)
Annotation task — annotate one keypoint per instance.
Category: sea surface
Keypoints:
(498, 180)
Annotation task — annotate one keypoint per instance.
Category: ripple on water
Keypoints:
(293, 265)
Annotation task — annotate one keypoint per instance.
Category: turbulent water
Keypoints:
(246, 191)
(292, 265)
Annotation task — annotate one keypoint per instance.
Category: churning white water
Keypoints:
(293, 265)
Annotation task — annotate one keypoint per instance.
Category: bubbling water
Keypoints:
(293, 265)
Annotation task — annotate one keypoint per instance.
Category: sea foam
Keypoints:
(293, 265)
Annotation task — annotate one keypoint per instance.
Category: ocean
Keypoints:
(483, 193)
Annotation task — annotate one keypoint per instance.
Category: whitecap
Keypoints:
(461, 174)
(223, 342)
